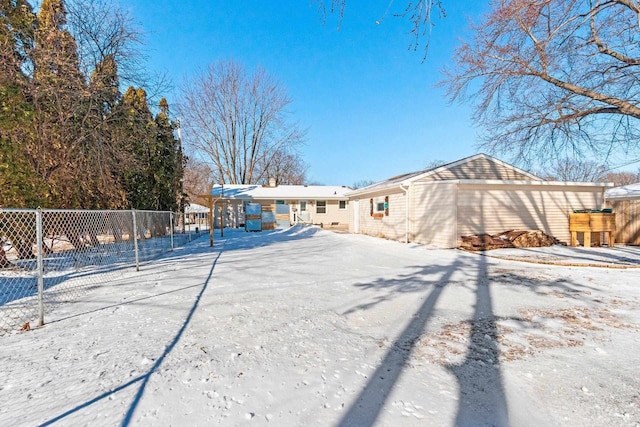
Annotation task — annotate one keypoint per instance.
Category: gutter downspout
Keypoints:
(406, 212)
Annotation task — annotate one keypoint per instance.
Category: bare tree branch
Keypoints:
(420, 14)
(237, 121)
(552, 79)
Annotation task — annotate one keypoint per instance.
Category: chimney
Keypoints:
(272, 182)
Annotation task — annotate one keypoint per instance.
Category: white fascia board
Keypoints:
(533, 183)
(378, 189)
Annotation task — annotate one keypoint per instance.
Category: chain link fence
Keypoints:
(49, 257)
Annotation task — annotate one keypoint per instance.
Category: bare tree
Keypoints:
(103, 29)
(621, 178)
(436, 163)
(361, 183)
(286, 167)
(198, 178)
(575, 170)
(420, 14)
(554, 78)
(237, 121)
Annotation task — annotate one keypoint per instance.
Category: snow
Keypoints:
(310, 327)
(626, 192)
(285, 192)
(195, 208)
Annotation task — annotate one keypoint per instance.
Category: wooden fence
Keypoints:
(627, 221)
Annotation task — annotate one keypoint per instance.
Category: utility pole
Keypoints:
(184, 214)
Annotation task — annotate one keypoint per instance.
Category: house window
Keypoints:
(321, 207)
(279, 202)
(342, 204)
(303, 206)
(380, 208)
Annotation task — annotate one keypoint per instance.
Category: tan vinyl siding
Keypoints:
(478, 169)
(387, 227)
(433, 214)
(495, 208)
(334, 217)
(627, 221)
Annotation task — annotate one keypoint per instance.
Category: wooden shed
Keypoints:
(477, 194)
(625, 202)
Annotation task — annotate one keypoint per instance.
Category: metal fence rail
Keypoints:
(48, 257)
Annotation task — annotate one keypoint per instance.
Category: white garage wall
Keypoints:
(493, 208)
(433, 214)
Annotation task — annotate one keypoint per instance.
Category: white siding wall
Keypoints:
(495, 208)
(388, 227)
(433, 214)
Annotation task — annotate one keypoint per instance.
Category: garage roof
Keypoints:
(408, 178)
(625, 192)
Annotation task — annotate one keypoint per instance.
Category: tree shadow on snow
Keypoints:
(142, 380)
(482, 399)
(238, 239)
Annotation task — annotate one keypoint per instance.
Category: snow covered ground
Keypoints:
(308, 327)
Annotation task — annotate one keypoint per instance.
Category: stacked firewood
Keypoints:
(508, 239)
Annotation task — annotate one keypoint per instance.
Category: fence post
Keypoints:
(171, 225)
(135, 239)
(40, 267)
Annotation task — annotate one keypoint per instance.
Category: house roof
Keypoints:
(625, 192)
(280, 192)
(407, 178)
(195, 208)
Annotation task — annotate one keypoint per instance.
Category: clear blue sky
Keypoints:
(369, 103)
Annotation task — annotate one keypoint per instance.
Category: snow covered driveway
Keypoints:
(306, 327)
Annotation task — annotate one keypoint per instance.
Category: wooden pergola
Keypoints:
(210, 201)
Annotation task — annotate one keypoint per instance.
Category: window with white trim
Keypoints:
(380, 207)
(342, 204)
(303, 205)
(321, 207)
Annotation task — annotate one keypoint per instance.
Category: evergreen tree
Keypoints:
(19, 185)
(139, 179)
(70, 140)
(168, 164)
(58, 94)
(103, 155)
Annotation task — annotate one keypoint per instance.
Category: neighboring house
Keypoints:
(625, 202)
(196, 215)
(284, 205)
(477, 194)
